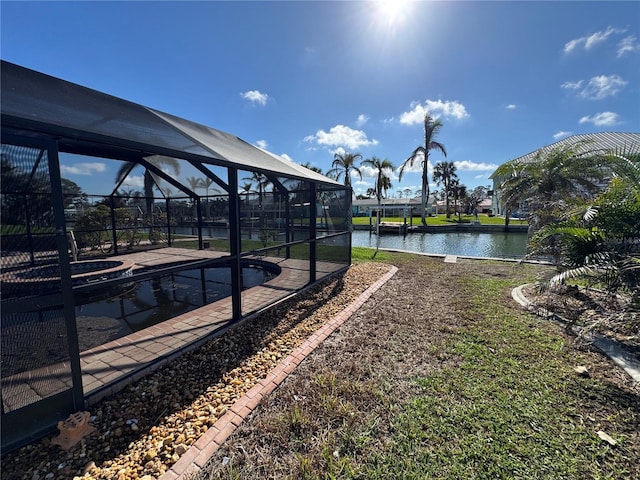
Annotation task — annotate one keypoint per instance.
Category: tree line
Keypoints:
(345, 165)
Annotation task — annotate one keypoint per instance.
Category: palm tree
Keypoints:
(206, 183)
(444, 173)
(194, 184)
(150, 179)
(262, 182)
(459, 192)
(549, 182)
(600, 243)
(312, 167)
(383, 182)
(245, 191)
(344, 164)
(431, 129)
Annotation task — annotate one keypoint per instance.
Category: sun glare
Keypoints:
(391, 13)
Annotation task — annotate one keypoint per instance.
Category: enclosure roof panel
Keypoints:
(228, 147)
(38, 102)
(588, 143)
(594, 143)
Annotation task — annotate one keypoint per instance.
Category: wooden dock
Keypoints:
(392, 228)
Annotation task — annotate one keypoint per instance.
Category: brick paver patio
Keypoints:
(109, 367)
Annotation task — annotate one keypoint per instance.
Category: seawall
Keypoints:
(462, 227)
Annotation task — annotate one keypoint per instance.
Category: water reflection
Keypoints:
(152, 301)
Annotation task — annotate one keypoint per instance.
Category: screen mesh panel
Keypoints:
(34, 347)
(35, 357)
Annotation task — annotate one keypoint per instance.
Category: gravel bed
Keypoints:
(143, 430)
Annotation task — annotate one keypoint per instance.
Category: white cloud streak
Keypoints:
(83, 168)
(628, 45)
(602, 119)
(262, 144)
(598, 87)
(590, 41)
(561, 134)
(469, 166)
(256, 97)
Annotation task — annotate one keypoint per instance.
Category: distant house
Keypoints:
(485, 206)
(391, 207)
(597, 142)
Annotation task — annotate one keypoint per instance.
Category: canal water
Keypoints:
(470, 244)
(467, 244)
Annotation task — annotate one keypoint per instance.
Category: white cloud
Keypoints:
(511, 106)
(467, 165)
(370, 172)
(286, 157)
(362, 119)
(628, 45)
(602, 119)
(561, 134)
(341, 136)
(262, 144)
(136, 181)
(572, 85)
(417, 166)
(598, 87)
(436, 108)
(603, 86)
(83, 168)
(590, 41)
(255, 96)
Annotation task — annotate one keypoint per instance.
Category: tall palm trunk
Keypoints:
(425, 197)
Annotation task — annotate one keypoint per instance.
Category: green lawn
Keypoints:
(444, 377)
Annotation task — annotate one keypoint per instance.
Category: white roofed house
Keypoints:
(391, 207)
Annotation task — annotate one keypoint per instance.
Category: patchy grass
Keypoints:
(440, 375)
(511, 409)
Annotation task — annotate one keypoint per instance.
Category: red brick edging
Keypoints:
(194, 459)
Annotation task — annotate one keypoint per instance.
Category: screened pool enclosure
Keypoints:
(101, 283)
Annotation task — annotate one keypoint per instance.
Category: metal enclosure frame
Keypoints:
(57, 116)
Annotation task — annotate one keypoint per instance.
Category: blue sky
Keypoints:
(308, 79)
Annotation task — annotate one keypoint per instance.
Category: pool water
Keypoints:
(149, 302)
